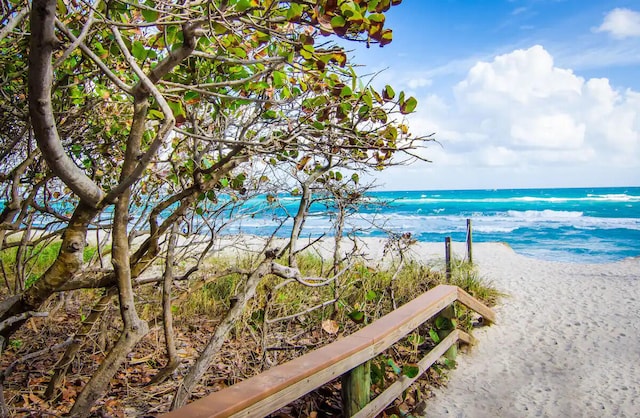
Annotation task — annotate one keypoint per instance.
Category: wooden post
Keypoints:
(448, 313)
(356, 389)
(469, 242)
(447, 255)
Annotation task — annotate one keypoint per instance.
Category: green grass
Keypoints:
(361, 289)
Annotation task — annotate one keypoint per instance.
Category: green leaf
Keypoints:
(394, 366)
(307, 51)
(242, 5)
(450, 364)
(410, 370)
(338, 22)
(377, 374)
(270, 114)
(355, 178)
(434, 336)
(408, 106)
(138, 50)
(387, 37)
(377, 17)
(356, 316)
(278, 78)
(295, 12)
(177, 108)
(149, 15)
(346, 92)
(155, 114)
(443, 323)
(388, 93)
(371, 295)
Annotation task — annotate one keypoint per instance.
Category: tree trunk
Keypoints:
(172, 355)
(134, 328)
(69, 355)
(68, 263)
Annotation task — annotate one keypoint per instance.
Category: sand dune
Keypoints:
(567, 343)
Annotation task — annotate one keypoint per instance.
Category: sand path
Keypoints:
(567, 343)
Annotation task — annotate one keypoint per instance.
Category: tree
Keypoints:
(147, 118)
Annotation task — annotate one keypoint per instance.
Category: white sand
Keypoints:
(567, 342)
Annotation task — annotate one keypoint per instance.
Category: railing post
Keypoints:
(448, 314)
(447, 255)
(469, 242)
(356, 389)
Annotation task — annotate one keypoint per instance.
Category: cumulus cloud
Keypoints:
(521, 110)
(621, 23)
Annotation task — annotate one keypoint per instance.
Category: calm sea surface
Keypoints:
(583, 225)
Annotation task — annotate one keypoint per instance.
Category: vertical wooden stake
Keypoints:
(469, 242)
(447, 255)
(449, 313)
(356, 389)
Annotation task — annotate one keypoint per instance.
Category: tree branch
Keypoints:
(43, 41)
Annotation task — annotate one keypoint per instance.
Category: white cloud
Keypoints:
(419, 82)
(518, 10)
(520, 113)
(621, 23)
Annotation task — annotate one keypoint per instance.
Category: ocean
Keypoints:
(583, 225)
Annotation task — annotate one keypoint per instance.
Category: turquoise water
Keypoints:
(583, 225)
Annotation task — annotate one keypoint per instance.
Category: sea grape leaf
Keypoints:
(408, 106)
(410, 370)
(356, 316)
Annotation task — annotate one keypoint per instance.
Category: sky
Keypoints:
(519, 93)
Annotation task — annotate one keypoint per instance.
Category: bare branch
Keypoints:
(293, 273)
(15, 21)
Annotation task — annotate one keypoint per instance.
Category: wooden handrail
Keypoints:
(282, 384)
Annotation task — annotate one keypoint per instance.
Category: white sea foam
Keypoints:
(546, 214)
(527, 199)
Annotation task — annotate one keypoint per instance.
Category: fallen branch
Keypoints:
(293, 273)
(6, 372)
(21, 317)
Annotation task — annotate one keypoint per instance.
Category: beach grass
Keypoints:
(362, 290)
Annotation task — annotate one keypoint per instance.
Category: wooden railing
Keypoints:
(271, 390)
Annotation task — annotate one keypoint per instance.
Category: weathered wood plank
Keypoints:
(473, 303)
(397, 324)
(287, 395)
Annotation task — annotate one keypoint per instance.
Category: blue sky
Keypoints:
(537, 93)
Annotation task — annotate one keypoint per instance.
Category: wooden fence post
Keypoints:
(469, 242)
(447, 255)
(356, 389)
(449, 314)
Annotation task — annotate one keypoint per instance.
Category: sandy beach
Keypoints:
(567, 341)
